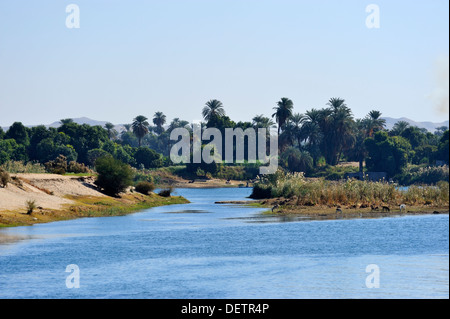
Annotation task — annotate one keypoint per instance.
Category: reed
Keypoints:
(348, 192)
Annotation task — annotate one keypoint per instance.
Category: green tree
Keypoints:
(374, 122)
(213, 108)
(19, 133)
(387, 154)
(112, 133)
(113, 176)
(398, 128)
(159, 119)
(336, 124)
(140, 127)
(283, 111)
(148, 158)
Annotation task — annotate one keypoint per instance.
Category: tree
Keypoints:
(140, 127)
(112, 133)
(387, 154)
(399, 127)
(296, 160)
(213, 108)
(148, 158)
(66, 121)
(283, 111)
(113, 176)
(159, 119)
(19, 133)
(374, 122)
(312, 130)
(336, 124)
(443, 148)
(260, 121)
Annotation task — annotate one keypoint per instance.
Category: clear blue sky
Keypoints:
(138, 57)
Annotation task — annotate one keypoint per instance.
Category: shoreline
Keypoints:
(60, 197)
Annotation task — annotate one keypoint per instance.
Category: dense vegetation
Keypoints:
(311, 192)
(313, 142)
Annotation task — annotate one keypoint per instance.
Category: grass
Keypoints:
(310, 192)
(89, 206)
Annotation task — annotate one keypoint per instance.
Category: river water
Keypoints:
(205, 250)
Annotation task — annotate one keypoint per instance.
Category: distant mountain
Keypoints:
(430, 126)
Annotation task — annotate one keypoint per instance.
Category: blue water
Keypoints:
(205, 250)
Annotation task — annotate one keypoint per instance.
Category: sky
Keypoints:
(137, 57)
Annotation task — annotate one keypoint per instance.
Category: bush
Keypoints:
(4, 178)
(113, 176)
(78, 168)
(166, 192)
(31, 205)
(58, 166)
(144, 188)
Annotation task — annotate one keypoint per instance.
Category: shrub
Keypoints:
(78, 168)
(113, 175)
(144, 187)
(58, 166)
(31, 205)
(166, 192)
(20, 167)
(4, 178)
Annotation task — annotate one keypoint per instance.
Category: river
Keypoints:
(205, 250)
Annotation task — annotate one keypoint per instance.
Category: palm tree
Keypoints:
(140, 127)
(66, 121)
(127, 127)
(111, 131)
(260, 121)
(297, 121)
(177, 123)
(399, 128)
(213, 108)
(283, 111)
(159, 119)
(374, 122)
(337, 130)
(313, 133)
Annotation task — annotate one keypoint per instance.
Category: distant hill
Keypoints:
(430, 126)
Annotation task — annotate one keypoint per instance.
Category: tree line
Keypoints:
(307, 141)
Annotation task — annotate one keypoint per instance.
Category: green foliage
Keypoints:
(387, 154)
(113, 175)
(148, 158)
(166, 192)
(420, 174)
(144, 187)
(19, 133)
(349, 192)
(296, 161)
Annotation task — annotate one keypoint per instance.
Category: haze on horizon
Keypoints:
(173, 56)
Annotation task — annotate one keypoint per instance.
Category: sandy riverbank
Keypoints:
(65, 197)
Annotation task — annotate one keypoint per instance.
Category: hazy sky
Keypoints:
(138, 57)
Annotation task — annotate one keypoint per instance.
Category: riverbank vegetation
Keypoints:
(315, 192)
(316, 142)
